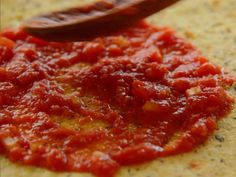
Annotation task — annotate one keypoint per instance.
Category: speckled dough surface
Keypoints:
(210, 25)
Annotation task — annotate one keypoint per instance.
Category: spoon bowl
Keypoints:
(99, 18)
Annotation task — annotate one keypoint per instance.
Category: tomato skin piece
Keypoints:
(7, 42)
(14, 34)
(208, 68)
(144, 152)
(6, 47)
(181, 84)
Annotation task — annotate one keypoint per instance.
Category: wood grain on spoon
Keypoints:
(100, 18)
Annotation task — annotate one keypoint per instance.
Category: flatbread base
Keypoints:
(210, 25)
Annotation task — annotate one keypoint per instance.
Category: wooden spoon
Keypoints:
(100, 18)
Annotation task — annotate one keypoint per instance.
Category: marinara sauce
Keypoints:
(94, 106)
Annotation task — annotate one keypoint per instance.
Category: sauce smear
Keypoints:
(94, 106)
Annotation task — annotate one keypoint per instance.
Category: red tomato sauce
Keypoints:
(94, 106)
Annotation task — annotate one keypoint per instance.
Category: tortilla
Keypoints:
(210, 25)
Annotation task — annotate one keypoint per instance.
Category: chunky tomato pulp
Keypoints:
(94, 106)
